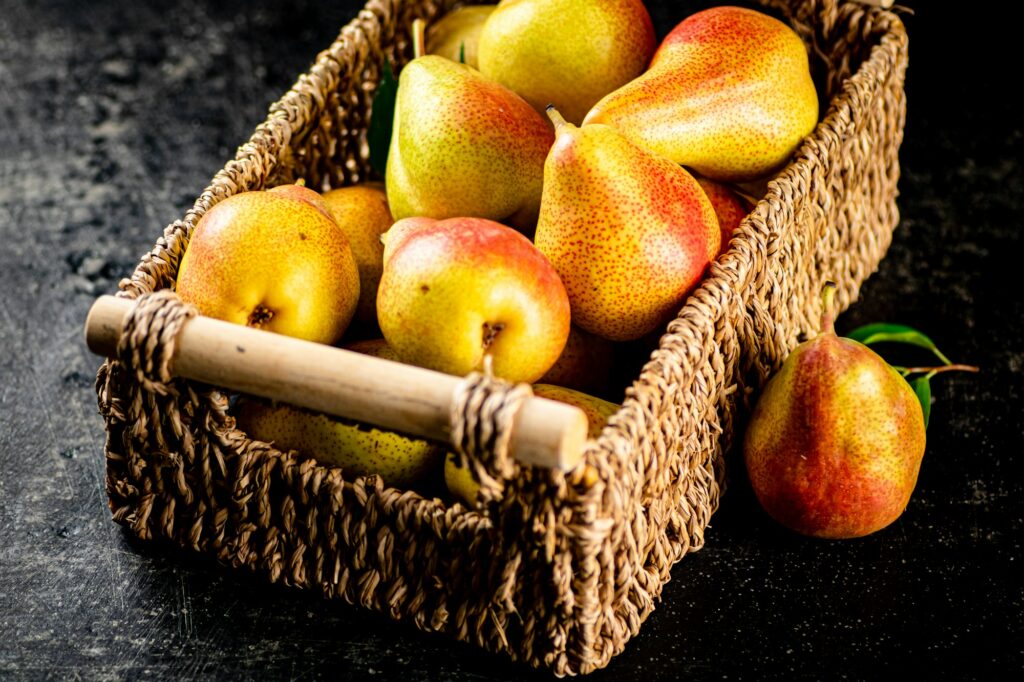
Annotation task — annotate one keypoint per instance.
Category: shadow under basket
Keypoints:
(561, 569)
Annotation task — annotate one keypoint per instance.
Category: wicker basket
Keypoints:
(562, 569)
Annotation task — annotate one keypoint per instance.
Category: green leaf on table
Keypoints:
(382, 118)
(923, 390)
(883, 332)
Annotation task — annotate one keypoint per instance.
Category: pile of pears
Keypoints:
(568, 122)
(556, 182)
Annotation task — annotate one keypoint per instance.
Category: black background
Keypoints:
(113, 117)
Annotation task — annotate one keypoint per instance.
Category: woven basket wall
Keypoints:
(562, 569)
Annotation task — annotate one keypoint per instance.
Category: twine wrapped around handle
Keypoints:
(483, 414)
(149, 337)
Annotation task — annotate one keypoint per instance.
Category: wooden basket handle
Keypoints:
(391, 395)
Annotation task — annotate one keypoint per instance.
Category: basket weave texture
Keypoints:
(558, 570)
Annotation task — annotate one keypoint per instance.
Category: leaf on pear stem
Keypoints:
(923, 390)
(382, 118)
(462, 52)
(884, 332)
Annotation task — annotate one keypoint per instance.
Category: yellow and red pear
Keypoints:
(730, 208)
(569, 53)
(629, 232)
(464, 146)
(272, 260)
(835, 442)
(728, 93)
(455, 290)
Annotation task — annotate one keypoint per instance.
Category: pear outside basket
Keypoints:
(562, 569)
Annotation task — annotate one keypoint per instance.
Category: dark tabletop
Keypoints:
(113, 117)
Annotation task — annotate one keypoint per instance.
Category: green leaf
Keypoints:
(462, 52)
(883, 332)
(382, 119)
(923, 390)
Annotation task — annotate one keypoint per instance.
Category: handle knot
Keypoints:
(482, 415)
(149, 336)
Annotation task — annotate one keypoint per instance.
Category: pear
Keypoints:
(272, 260)
(455, 291)
(629, 232)
(569, 53)
(835, 443)
(361, 212)
(460, 481)
(457, 33)
(358, 449)
(464, 146)
(728, 93)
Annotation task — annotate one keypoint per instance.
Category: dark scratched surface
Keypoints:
(113, 117)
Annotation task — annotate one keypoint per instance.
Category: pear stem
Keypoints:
(555, 117)
(488, 365)
(828, 298)
(931, 371)
(419, 38)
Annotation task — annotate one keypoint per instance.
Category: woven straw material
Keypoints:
(558, 570)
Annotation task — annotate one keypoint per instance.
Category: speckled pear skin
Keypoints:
(458, 32)
(835, 442)
(463, 145)
(358, 449)
(303, 193)
(453, 290)
(569, 53)
(271, 261)
(629, 232)
(460, 482)
(362, 213)
(728, 94)
(730, 209)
